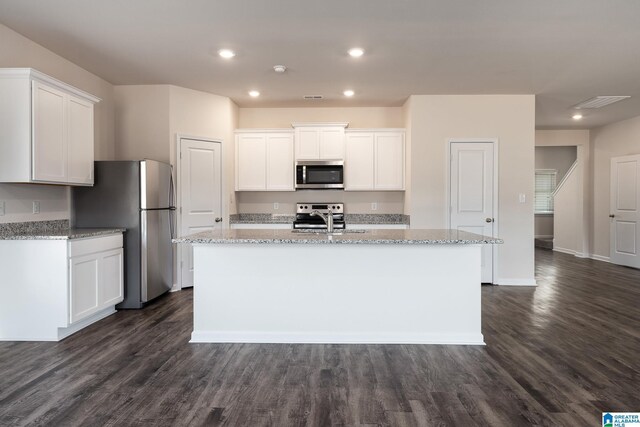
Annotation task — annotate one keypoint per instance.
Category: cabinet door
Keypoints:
(308, 143)
(111, 286)
(80, 140)
(389, 154)
(332, 143)
(280, 162)
(49, 134)
(251, 163)
(359, 162)
(84, 285)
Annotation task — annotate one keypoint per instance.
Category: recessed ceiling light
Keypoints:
(576, 116)
(279, 68)
(348, 92)
(254, 93)
(226, 53)
(356, 52)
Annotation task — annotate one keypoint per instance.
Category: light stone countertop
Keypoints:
(61, 234)
(410, 236)
(51, 230)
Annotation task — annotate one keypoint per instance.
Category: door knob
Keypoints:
(488, 220)
(612, 216)
(218, 219)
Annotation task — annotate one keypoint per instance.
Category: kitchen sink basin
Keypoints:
(335, 232)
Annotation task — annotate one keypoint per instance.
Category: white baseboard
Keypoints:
(334, 338)
(516, 282)
(564, 250)
(175, 288)
(65, 332)
(600, 258)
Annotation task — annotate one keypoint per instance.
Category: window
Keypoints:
(545, 186)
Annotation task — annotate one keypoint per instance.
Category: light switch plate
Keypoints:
(374, 206)
(2, 208)
(276, 206)
(522, 198)
(36, 207)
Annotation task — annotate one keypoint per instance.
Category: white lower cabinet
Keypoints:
(53, 288)
(95, 282)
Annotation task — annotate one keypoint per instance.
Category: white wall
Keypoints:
(358, 117)
(18, 51)
(614, 140)
(565, 224)
(434, 119)
(142, 122)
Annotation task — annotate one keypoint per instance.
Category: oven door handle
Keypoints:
(304, 174)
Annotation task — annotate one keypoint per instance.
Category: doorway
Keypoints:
(473, 193)
(199, 196)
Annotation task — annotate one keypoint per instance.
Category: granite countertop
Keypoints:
(411, 236)
(267, 218)
(51, 230)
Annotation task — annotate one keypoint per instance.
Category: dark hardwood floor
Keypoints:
(558, 354)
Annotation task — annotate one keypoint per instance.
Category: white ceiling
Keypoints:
(563, 51)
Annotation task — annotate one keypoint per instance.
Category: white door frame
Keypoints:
(496, 211)
(179, 138)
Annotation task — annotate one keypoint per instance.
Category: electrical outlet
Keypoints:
(276, 206)
(2, 208)
(522, 198)
(374, 206)
(36, 207)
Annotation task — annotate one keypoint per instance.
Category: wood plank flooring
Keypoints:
(558, 354)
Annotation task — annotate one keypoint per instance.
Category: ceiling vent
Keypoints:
(599, 102)
(313, 97)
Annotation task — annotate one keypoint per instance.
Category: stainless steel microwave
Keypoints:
(319, 174)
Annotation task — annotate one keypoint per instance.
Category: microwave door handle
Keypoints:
(304, 174)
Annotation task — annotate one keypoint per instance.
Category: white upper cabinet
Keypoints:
(320, 141)
(264, 161)
(374, 160)
(47, 129)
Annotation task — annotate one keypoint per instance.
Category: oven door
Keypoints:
(319, 175)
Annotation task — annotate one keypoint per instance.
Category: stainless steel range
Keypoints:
(319, 216)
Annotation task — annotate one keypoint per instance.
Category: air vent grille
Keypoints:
(313, 97)
(599, 102)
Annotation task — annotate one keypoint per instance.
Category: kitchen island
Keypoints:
(377, 286)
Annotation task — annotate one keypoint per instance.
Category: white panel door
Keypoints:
(80, 131)
(471, 194)
(307, 143)
(49, 134)
(625, 211)
(332, 143)
(200, 207)
(251, 163)
(359, 161)
(389, 161)
(280, 162)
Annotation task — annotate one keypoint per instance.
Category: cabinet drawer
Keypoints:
(94, 244)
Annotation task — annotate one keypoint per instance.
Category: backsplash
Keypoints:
(267, 218)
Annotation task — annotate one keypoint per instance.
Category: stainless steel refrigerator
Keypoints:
(138, 196)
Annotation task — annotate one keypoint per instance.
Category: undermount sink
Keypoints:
(334, 233)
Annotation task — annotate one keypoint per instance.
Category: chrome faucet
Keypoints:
(328, 218)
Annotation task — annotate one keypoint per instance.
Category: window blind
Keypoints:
(545, 186)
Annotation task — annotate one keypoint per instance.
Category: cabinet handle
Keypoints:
(488, 220)
(218, 219)
(612, 216)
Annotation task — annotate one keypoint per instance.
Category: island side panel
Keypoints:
(337, 293)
